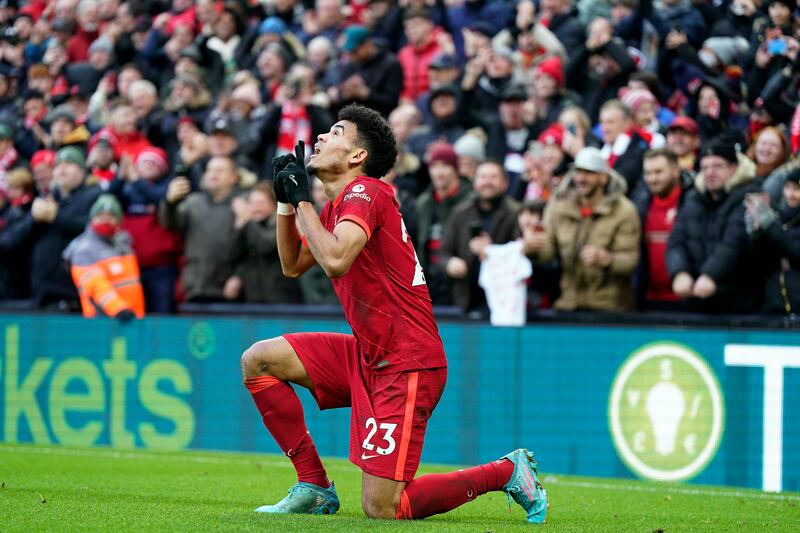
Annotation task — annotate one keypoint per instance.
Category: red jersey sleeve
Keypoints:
(361, 204)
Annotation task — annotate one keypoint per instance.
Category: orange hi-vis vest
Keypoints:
(106, 275)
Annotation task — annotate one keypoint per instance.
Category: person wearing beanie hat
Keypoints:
(554, 135)
(644, 110)
(471, 151)
(722, 149)
(707, 254)
(42, 164)
(545, 163)
(719, 52)
(444, 153)
(103, 265)
(109, 205)
(142, 183)
(57, 216)
(548, 95)
(85, 76)
(70, 155)
(432, 212)
(272, 25)
(553, 68)
(151, 163)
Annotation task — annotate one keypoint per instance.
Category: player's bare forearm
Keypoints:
(294, 262)
(336, 251)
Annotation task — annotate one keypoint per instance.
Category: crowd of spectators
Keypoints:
(642, 153)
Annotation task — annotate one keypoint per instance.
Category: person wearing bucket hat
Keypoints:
(432, 212)
(373, 77)
(103, 266)
(594, 229)
(708, 256)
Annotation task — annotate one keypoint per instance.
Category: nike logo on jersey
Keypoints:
(364, 456)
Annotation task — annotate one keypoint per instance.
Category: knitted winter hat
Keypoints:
(445, 153)
(634, 98)
(552, 67)
(155, 155)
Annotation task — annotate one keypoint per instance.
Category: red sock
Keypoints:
(282, 413)
(439, 493)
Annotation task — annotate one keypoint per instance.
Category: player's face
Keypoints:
(333, 149)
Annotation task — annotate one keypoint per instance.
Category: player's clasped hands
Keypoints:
(291, 177)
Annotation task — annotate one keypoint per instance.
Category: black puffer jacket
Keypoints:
(778, 246)
(50, 280)
(709, 238)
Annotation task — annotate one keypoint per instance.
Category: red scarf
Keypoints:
(8, 159)
(794, 130)
(295, 126)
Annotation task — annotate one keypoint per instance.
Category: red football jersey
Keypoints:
(384, 295)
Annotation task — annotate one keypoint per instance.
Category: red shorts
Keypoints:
(389, 411)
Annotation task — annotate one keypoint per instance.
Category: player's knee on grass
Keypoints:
(380, 506)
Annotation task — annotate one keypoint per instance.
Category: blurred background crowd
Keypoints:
(606, 155)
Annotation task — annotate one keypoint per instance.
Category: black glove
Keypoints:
(125, 315)
(278, 164)
(294, 178)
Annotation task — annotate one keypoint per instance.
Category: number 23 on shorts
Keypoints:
(388, 439)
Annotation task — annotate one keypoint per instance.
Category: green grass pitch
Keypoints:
(62, 489)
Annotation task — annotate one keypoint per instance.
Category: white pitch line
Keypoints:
(688, 491)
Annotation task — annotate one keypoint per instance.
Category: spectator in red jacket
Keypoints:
(157, 249)
(425, 42)
(123, 127)
(88, 14)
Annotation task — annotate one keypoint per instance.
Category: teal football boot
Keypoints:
(524, 486)
(305, 498)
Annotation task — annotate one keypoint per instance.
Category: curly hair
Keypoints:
(375, 136)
